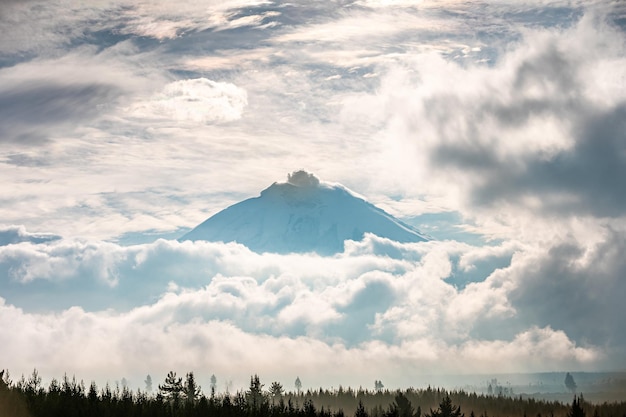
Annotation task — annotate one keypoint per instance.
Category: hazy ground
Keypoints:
(596, 387)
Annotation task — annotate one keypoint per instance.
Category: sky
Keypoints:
(496, 127)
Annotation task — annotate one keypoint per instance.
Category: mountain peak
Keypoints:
(302, 178)
(302, 215)
(298, 183)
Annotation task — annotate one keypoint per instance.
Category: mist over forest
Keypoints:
(184, 396)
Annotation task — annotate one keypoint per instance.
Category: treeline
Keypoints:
(177, 397)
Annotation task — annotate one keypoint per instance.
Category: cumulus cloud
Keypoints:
(575, 282)
(394, 305)
(16, 234)
(539, 131)
(149, 340)
(195, 100)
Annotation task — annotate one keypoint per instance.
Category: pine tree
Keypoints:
(309, 408)
(11, 401)
(33, 385)
(298, 385)
(254, 395)
(93, 400)
(148, 383)
(570, 384)
(92, 395)
(403, 405)
(360, 410)
(172, 388)
(446, 409)
(276, 390)
(213, 385)
(191, 389)
(577, 409)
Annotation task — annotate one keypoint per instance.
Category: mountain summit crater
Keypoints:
(303, 214)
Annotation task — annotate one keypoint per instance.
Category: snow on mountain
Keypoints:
(302, 215)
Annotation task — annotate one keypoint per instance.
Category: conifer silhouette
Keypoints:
(191, 389)
(172, 388)
(576, 410)
(298, 384)
(570, 384)
(446, 409)
(360, 410)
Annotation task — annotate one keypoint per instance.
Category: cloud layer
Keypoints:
(393, 302)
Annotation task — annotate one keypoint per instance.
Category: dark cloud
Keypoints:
(589, 176)
(551, 73)
(584, 179)
(30, 114)
(11, 2)
(577, 292)
(24, 160)
(574, 287)
(550, 66)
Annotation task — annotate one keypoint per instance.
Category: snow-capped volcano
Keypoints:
(302, 215)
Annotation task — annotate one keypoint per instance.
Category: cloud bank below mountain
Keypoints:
(198, 305)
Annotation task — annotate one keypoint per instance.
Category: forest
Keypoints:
(182, 396)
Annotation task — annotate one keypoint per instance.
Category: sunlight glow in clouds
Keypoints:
(197, 100)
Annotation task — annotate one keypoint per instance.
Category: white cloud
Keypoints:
(539, 348)
(42, 26)
(144, 341)
(207, 301)
(195, 100)
(193, 156)
(168, 20)
(349, 27)
(510, 138)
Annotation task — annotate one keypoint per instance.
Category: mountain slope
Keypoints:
(302, 215)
